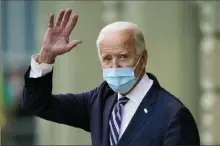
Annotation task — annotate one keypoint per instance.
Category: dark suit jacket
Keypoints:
(168, 121)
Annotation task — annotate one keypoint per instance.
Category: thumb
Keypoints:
(73, 44)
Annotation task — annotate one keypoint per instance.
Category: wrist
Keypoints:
(46, 57)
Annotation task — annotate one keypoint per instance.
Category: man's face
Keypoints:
(118, 50)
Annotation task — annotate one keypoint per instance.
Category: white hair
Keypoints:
(121, 26)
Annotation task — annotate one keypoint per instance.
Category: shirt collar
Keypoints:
(138, 93)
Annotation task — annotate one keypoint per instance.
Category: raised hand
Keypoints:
(56, 40)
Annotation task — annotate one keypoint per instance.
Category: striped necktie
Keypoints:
(115, 121)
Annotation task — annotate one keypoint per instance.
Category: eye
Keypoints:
(107, 58)
(123, 56)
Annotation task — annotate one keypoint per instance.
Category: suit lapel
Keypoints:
(140, 117)
(106, 115)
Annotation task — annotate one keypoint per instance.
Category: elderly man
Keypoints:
(128, 108)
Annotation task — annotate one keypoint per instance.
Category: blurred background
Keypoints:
(183, 40)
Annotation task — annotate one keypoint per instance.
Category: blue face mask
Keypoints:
(120, 79)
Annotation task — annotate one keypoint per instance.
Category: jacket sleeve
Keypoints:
(182, 130)
(69, 109)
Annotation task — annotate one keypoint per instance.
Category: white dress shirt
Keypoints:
(39, 70)
(135, 96)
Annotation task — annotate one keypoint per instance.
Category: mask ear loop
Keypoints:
(137, 65)
(138, 62)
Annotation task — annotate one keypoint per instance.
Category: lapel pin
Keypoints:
(145, 111)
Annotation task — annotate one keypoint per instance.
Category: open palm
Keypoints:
(56, 39)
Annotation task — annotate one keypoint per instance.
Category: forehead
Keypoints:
(120, 39)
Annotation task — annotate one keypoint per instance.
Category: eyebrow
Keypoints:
(123, 53)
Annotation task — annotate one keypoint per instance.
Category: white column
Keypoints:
(207, 77)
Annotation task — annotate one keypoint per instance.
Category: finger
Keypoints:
(48, 34)
(60, 17)
(66, 18)
(72, 25)
(73, 44)
(51, 21)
